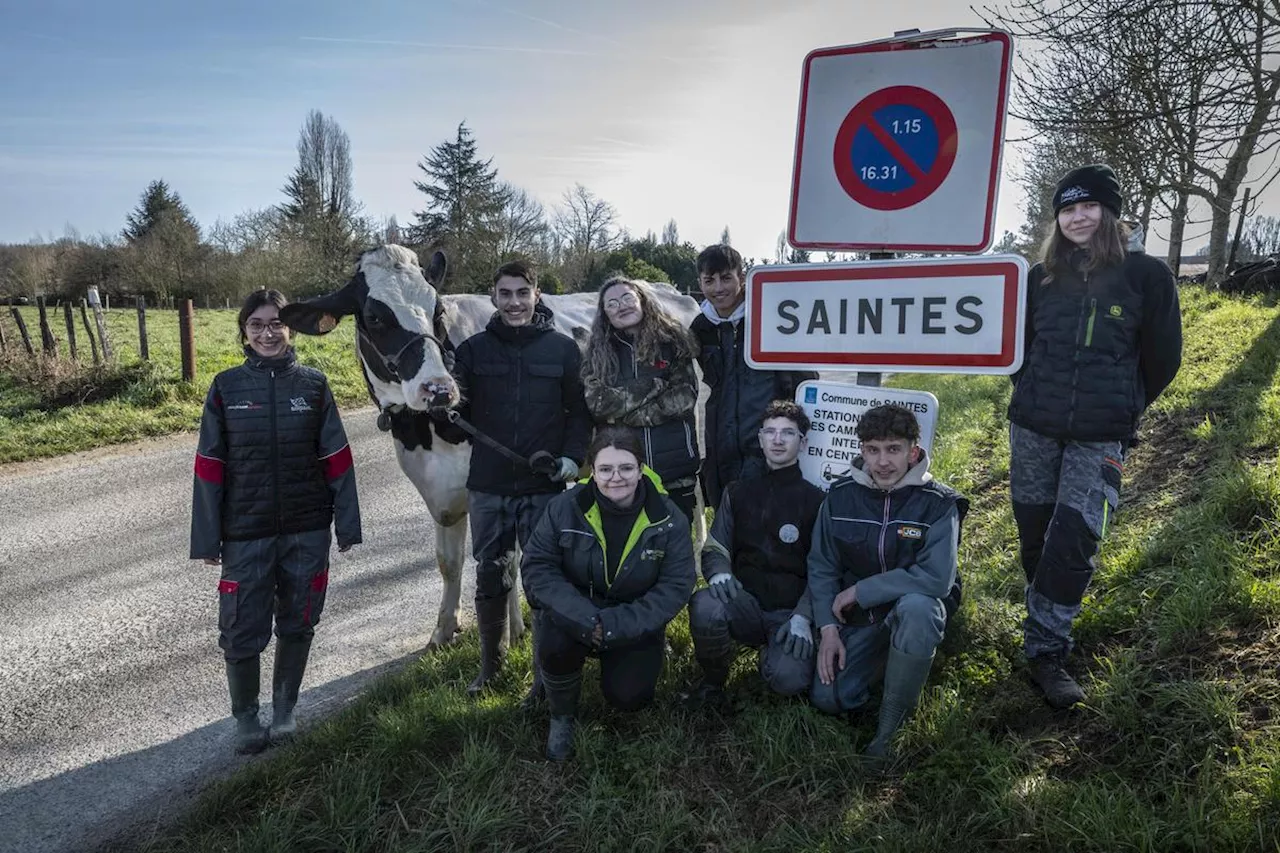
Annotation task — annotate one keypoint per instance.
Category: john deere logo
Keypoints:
(1116, 311)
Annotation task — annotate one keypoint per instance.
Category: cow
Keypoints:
(405, 335)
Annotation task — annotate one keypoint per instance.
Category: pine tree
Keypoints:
(158, 205)
(465, 203)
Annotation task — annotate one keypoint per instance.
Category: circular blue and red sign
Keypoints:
(895, 147)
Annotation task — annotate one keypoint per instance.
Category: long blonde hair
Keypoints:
(1107, 246)
(656, 328)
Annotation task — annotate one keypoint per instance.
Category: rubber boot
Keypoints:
(562, 700)
(286, 679)
(244, 683)
(904, 678)
(491, 613)
(714, 653)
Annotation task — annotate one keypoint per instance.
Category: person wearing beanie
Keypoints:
(1103, 339)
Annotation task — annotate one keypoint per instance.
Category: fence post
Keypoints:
(22, 330)
(101, 321)
(88, 330)
(48, 345)
(71, 329)
(142, 329)
(4, 342)
(187, 340)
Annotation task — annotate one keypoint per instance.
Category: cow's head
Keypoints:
(395, 308)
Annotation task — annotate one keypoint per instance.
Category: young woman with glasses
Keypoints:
(609, 564)
(273, 471)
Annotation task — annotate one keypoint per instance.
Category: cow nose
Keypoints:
(437, 392)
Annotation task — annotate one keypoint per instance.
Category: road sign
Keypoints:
(932, 315)
(895, 147)
(835, 409)
(898, 144)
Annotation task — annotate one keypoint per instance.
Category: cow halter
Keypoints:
(392, 363)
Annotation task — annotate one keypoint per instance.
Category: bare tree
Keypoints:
(724, 237)
(587, 226)
(521, 225)
(1180, 96)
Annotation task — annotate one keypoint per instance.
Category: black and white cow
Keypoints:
(405, 336)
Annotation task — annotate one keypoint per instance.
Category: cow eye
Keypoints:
(373, 321)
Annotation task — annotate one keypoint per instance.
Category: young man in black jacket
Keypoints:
(520, 383)
(739, 393)
(754, 563)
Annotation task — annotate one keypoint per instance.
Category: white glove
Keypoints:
(796, 637)
(725, 587)
(568, 470)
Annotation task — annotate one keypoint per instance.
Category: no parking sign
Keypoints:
(898, 144)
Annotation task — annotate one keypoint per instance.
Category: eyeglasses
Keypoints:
(254, 327)
(627, 299)
(785, 434)
(626, 471)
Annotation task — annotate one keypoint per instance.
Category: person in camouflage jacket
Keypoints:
(638, 372)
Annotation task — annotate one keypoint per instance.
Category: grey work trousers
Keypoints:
(1064, 494)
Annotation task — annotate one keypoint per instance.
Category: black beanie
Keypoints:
(1095, 182)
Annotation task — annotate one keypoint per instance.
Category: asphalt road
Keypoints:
(113, 703)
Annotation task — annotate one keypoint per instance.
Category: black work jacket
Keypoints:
(522, 387)
(1100, 347)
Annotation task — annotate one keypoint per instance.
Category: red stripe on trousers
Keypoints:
(209, 469)
(226, 586)
(337, 464)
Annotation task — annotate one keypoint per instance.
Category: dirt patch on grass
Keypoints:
(1169, 461)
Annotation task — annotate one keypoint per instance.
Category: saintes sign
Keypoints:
(946, 315)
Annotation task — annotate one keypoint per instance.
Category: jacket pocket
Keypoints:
(544, 382)
(228, 603)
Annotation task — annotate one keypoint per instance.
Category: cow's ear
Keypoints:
(320, 316)
(435, 270)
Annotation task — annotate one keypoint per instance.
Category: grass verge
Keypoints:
(49, 407)
(1178, 747)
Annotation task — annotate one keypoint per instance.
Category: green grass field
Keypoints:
(1178, 748)
(40, 410)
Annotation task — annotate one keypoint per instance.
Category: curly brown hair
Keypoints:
(656, 328)
(889, 421)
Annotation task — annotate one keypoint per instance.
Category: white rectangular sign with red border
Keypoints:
(934, 315)
(898, 144)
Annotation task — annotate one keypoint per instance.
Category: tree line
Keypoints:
(307, 243)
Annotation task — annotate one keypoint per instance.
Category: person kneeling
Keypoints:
(883, 561)
(607, 567)
(754, 562)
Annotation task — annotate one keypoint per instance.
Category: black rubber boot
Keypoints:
(491, 613)
(286, 680)
(244, 682)
(904, 678)
(562, 700)
(714, 653)
(1048, 673)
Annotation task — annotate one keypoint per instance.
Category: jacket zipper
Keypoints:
(275, 458)
(515, 474)
(1093, 313)
(1075, 360)
(884, 530)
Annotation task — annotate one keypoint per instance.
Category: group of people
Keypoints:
(835, 590)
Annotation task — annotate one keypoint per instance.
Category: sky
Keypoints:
(681, 109)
